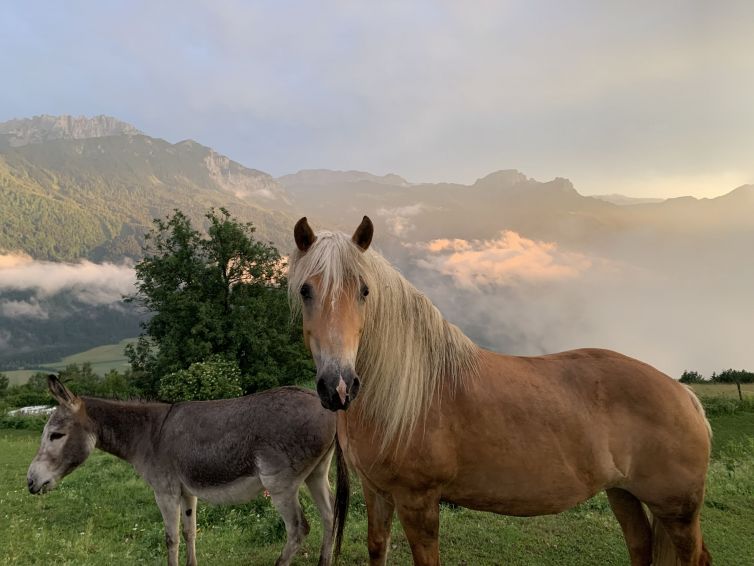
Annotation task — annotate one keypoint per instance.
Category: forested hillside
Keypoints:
(64, 199)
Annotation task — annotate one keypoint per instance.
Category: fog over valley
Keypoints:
(523, 266)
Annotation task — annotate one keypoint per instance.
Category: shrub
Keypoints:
(217, 378)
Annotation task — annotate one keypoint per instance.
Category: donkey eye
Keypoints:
(306, 291)
(56, 435)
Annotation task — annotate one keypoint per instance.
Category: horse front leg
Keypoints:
(419, 513)
(380, 508)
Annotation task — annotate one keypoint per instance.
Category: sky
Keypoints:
(647, 99)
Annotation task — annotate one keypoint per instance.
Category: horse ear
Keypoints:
(363, 235)
(304, 235)
(61, 393)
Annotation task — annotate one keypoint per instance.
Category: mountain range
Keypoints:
(77, 188)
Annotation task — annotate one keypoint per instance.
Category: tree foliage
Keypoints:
(220, 293)
(691, 377)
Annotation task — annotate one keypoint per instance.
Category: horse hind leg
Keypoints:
(634, 524)
(678, 539)
(319, 487)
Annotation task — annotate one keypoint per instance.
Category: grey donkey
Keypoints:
(224, 451)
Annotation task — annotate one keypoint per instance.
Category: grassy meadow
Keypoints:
(102, 359)
(103, 513)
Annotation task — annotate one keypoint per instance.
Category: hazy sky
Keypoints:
(643, 98)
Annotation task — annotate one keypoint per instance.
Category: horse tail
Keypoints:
(663, 550)
(699, 408)
(342, 497)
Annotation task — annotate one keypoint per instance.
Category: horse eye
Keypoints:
(56, 435)
(306, 291)
(364, 291)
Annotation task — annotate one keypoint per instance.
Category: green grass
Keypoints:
(102, 358)
(104, 514)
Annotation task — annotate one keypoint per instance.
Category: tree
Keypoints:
(691, 377)
(222, 293)
(3, 384)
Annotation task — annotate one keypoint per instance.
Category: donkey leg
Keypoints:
(296, 527)
(319, 487)
(635, 525)
(188, 519)
(419, 513)
(380, 508)
(169, 505)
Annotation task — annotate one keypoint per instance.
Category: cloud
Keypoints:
(90, 283)
(508, 260)
(23, 309)
(665, 305)
(398, 219)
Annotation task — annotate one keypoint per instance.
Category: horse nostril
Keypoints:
(29, 482)
(321, 388)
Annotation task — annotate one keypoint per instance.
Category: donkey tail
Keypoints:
(342, 497)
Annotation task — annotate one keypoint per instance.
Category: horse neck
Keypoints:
(126, 430)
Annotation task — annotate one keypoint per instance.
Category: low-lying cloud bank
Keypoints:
(49, 310)
(89, 283)
(526, 297)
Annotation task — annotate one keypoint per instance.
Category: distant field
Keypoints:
(103, 359)
(722, 389)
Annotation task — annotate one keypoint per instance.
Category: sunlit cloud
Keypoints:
(510, 259)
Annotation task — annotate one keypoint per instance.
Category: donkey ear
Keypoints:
(363, 235)
(61, 393)
(304, 235)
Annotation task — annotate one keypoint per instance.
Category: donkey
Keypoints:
(224, 452)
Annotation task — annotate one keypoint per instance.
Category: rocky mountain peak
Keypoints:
(25, 131)
(502, 179)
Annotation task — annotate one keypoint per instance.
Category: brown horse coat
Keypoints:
(437, 418)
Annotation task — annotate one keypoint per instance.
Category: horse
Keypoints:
(224, 451)
(425, 415)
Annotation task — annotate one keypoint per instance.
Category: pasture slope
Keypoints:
(102, 358)
(104, 514)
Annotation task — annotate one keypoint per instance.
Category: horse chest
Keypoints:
(425, 462)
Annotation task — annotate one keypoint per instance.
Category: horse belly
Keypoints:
(523, 499)
(241, 490)
(531, 481)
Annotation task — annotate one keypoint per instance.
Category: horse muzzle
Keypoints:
(336, 389)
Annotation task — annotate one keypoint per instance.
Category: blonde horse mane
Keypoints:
(408, 351)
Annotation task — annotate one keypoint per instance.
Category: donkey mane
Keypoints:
(408, 351)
